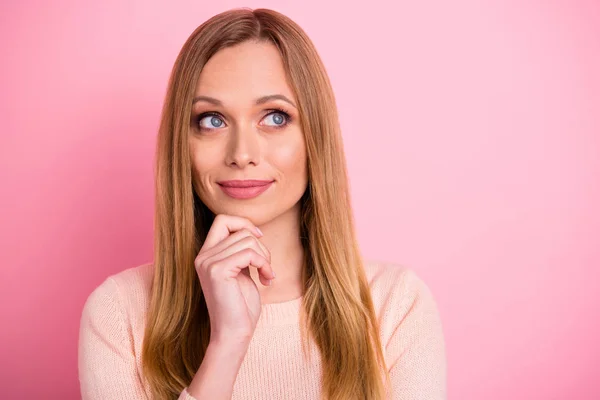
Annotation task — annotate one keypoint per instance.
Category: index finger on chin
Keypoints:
(224, 225)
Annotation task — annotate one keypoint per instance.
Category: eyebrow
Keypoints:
(259, 101)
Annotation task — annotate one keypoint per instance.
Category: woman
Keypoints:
(257, 289)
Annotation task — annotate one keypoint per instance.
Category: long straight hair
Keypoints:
(337, 308)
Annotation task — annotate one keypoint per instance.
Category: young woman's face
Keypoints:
(245, 125)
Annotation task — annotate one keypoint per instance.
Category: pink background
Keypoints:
(472, 132)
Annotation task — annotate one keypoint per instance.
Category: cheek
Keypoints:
(203, 163)
(290, 158)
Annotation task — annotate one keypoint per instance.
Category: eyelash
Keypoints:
(276, 110)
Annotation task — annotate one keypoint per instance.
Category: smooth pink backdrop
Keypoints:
(472, 134)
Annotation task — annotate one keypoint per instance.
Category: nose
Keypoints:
(243, 147)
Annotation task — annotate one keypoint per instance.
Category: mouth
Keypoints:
(244, 189)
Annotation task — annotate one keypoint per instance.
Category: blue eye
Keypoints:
(212, 120)
(277, 118)
(280, 118)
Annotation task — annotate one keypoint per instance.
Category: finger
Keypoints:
(224, 225)
(239, 246)
(262, 247)
(233, 238)
(232, 265)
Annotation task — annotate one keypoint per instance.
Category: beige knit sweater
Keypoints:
(112, 330)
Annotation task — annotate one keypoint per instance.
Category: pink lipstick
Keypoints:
(244, 189)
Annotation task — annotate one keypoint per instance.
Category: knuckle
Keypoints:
(212, 270)
(248, 251)
(248, 240)
(204, 263)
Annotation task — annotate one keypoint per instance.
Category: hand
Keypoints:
(232, 298)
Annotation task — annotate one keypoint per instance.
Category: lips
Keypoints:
(244, 183)
(244, 189)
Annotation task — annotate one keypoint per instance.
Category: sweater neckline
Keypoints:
(282, 313)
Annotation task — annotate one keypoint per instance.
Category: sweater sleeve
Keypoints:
(417, 351)
(106, 360)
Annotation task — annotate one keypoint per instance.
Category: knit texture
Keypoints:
(113, 321)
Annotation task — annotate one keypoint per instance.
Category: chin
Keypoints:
(259, 214)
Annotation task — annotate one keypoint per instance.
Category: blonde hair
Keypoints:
(338, 313)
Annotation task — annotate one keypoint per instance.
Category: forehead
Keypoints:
(243, 73)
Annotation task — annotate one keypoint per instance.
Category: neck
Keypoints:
(282, 238)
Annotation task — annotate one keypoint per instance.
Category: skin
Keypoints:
(245, 140)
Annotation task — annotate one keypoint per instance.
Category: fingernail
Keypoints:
(259, 231)
(270, 281)
(274, 276)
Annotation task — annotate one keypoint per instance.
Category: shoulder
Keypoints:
(390, 279)
(126, 293)
(399, 295)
